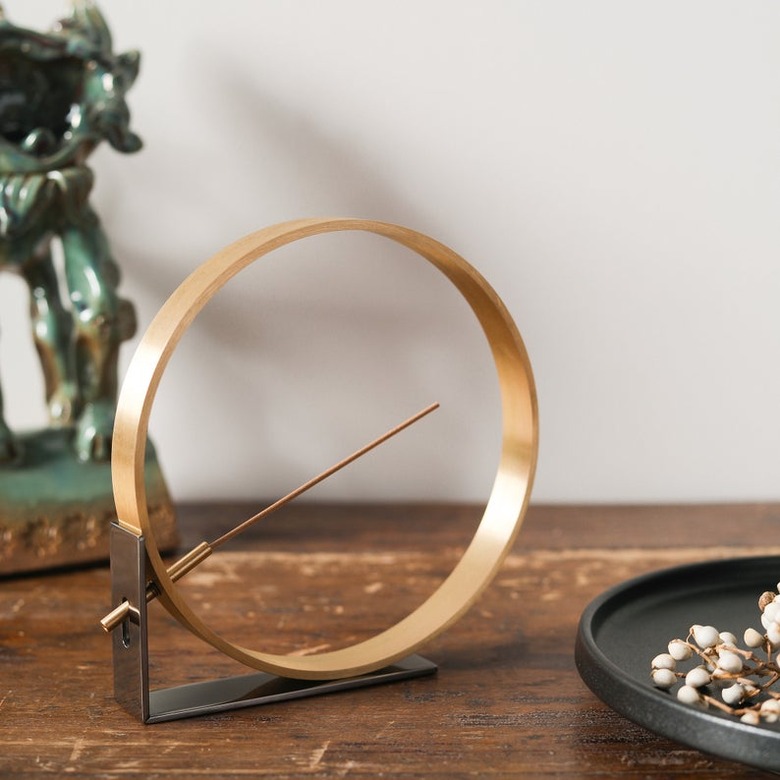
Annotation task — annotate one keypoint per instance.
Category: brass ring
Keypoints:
(505, 508)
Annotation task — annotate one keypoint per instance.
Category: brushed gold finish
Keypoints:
(176, 571)
(121, 612)
(188, 562)
(506, 505)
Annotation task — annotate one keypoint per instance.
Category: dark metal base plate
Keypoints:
(250, 690)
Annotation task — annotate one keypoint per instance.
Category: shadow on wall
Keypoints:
(268, 164)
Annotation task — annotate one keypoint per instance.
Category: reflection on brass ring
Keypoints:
(505, 507)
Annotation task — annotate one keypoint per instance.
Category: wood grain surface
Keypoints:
(506, 702)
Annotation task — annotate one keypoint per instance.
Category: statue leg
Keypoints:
(102, 320)
(53, 337)
(10, 450)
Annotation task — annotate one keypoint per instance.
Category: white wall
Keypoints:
(612, 167)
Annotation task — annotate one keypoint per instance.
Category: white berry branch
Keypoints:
(721, 674)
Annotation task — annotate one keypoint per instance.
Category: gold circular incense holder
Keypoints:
(505, 507)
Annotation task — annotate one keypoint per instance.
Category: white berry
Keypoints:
(663, 661)
(770, 710)
(727, 638)
(664, 678)
(688, 695)
(679, 650)
(753, 638)
(697, 678)
(729, 662)
(706, 636)
(733, 694)
(750, 717)
(770, 610)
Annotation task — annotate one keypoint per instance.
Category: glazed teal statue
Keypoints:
(62, 93)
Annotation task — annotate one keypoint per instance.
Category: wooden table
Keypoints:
(506, 701)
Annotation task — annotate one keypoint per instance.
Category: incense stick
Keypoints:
(199, 554)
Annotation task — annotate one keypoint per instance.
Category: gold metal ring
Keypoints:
(505, 508)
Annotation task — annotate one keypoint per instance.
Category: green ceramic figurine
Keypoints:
(61, 94)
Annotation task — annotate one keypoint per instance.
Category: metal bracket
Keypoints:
(131, 658)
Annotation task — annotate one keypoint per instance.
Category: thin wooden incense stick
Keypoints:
(199, 554)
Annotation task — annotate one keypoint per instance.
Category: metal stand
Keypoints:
(131, 658)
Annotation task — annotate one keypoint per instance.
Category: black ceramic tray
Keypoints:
(626, 627)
